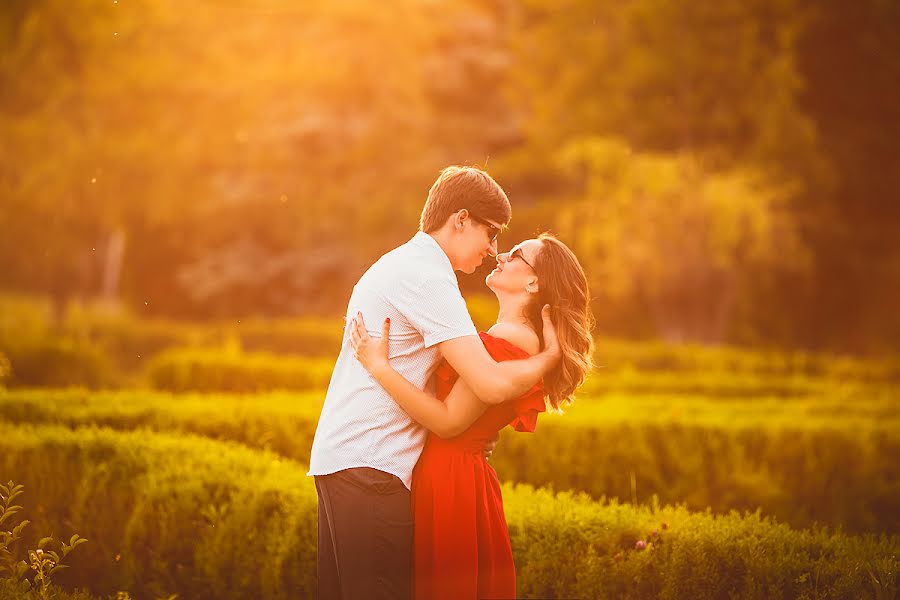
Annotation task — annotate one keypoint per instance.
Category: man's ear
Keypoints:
(460, 218)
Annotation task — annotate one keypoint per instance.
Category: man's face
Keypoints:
(478, 242)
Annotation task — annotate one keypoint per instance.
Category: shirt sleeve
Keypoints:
(437, 310)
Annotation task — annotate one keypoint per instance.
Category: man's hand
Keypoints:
(489, 447)
(551, 340)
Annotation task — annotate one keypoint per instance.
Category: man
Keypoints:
(365, 446)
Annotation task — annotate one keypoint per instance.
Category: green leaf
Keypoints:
(21, 568)
(18, 528)
(44, 542)
(9, 512)
(10, 494)
(57, 568)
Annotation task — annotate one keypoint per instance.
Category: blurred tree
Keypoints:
(665, 233)
(717, 78)
(715, 81)
(308, 133)
(257, 155)
(850, 60)
(57, 206)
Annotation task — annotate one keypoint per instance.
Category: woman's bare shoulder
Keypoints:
(520, 335)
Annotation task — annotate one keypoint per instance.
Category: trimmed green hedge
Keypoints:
(207, 519)
(308, 336)
(168, 514)
(128, 341)
(830, 476)
(58, 361)
(218, 370)
(616, 355)
(829, 460)
(715, 384)
(567, 546)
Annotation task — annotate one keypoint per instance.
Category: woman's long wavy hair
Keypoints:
(563, 285)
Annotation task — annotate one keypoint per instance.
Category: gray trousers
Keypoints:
(365, 536)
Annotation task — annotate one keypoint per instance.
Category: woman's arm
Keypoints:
(446, 419)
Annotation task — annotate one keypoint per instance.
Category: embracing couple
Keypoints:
(408, 505)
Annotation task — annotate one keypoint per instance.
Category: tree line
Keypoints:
(726, 171)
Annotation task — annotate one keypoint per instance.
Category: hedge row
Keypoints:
(713, 384)
(62, 361)
(830, 461)
(208, 519)
(208, 370)
(846, 478)
(127, 342)
(167, 514)
(233, 370)
(58, 361)
(695, 358)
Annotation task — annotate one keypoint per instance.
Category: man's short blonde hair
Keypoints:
(464, 187)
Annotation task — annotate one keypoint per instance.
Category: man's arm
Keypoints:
(495, 382)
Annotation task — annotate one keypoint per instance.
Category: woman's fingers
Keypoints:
(361, 326)
(358, 328)
(386, 329)
(550, 337)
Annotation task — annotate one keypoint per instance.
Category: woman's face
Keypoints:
(514, 272)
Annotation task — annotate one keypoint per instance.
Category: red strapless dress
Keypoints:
(461, 543)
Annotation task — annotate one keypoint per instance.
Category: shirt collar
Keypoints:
(423, 240)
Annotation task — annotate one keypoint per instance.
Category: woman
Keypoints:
(461, 542)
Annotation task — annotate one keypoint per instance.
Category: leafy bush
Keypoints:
(59, 361)
(9, 590)
(23, 318)
(567, 546)
(311, 336)
(44, 560)
(209, 519)
(236, 371)
(5, 369)
(828, 459)
(718, 384)
(614, 356)
(283, 422)
(846, 478)
(131, 340)
(170, 514)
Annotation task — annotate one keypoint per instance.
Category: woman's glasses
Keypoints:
(517, 253)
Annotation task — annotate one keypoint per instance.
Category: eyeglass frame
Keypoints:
(516, 252)
(489, 225)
